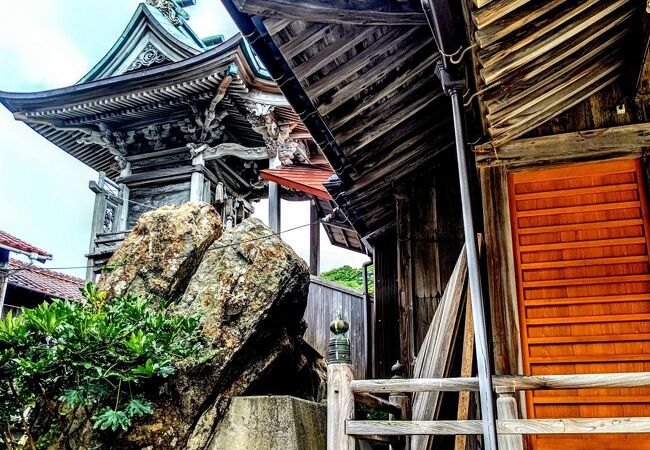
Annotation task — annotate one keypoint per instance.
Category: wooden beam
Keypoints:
(495, 11)
(560, 102)
(380, 114)
(513, 22)
(338, 48)
(466, 370)
(330, 12)
(506, 60)
(642, 68)
(314, 239)
(377, 403)
(530, 86)
(306, 39)
(621, 425)
(435, 355)
(397, 166)
(399, 116)
(547, 27)
(627, 140)
(501, 267)
(405, 279)
(386, 66)
(481, 3)
(274, 26)
(347, 70)
(519, 382)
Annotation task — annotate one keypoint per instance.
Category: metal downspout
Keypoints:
(476, 290)
(440, 16)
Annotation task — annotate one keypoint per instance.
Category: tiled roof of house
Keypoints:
(44, 281)
(14, 244)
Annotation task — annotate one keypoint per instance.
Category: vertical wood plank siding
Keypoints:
(386, 306)
(324, 301)
(580, 236)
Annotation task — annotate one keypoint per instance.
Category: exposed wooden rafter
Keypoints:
(332, 12)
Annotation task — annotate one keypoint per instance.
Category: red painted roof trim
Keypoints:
(307, 179)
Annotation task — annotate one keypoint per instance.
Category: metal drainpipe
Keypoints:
(441, 18)
(455, 90)
(368, 328)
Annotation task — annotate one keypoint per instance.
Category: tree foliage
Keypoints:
(90, 358)
(350, 276)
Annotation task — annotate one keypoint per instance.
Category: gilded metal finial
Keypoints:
(339, 346)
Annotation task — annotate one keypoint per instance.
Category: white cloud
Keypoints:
(35, 49)
(209, 17)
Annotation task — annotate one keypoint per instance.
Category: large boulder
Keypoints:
(162, 252)
(251, 290)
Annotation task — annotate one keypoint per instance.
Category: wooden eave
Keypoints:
(536, 60)
(375, 88)
(157, 95)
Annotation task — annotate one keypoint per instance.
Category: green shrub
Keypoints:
(92, 357)
(350, 276)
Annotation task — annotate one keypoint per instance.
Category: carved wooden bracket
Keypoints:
(276, 134)
(228, 149)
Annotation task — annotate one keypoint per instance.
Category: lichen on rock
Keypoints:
(162, 251)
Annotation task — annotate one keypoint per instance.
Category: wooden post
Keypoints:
(405, 281)
(4, 278)
(466, 370)
(274, 198)
(198, 179)
(507, 409)
(99, 211)
(124, 195)
(340, 398)
(404, 402)
(501, 267)
(314, 239)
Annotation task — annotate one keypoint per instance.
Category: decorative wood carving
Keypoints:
(228, 149)
(149, 56)
(169, 9)
(114, 142)
(276, 134)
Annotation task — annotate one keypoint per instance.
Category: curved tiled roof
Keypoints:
(13, 244)
(44, 281)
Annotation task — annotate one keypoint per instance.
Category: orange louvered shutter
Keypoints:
(580, 237)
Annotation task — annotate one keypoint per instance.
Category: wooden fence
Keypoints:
(344, 391)
(325, 300)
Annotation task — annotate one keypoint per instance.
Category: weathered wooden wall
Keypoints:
(435, 237)
(324, 301)
(386, 336)
(598, 111)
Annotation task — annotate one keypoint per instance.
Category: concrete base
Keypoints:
(272, 422)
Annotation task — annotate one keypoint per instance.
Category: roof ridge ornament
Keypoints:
(170, 9)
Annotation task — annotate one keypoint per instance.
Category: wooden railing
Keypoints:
(343, 391)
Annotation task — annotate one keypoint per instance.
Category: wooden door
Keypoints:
(580, 237)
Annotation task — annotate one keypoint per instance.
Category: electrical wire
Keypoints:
(211, 249)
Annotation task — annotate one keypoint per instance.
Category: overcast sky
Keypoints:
(44, 195)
